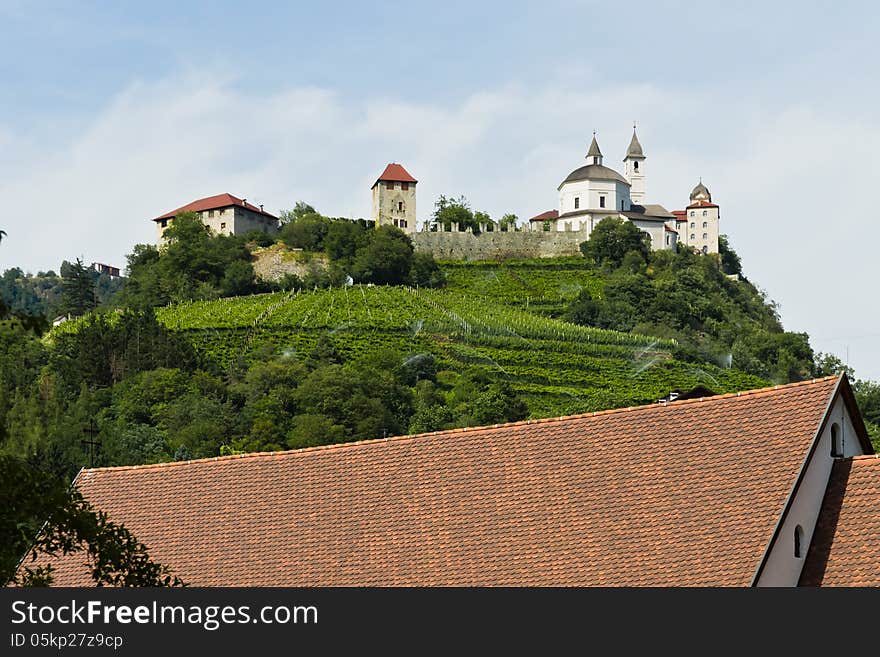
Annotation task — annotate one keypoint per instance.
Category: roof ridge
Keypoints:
(371, 441)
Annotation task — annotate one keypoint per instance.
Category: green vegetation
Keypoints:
(41, 515)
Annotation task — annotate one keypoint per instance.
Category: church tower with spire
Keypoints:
(634, 169)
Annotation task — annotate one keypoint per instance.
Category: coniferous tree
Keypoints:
(78, 296)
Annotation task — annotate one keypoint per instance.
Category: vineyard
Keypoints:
(558, 368)
(538, 286)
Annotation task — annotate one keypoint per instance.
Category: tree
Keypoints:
(425, 272)
(386, 260)
(306, 232)
(730, 261)
(448, 211)
(299, 210)
(612, 238)
(508, 222)
(583, 310)
(78, 296)
(40, 515)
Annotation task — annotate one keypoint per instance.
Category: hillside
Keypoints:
(556, 367)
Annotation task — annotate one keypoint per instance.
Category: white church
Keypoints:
(594, 191)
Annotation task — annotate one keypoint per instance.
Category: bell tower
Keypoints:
(634, 169)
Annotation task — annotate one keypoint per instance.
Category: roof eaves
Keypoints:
(841, 383)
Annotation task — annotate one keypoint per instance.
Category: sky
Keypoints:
(113, 113)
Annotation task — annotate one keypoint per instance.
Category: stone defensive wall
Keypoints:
(498, 245)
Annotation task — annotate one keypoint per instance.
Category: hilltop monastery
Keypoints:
(586, 196)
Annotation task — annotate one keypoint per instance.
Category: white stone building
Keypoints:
(697, 225)
(224, 214)
(394, 198)
(594, 191)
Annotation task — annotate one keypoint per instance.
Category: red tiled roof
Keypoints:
(214, 203)
(395, 173)
(680, 213)
(702, 204)
(545, 216)
(684, 493)
(845, 550)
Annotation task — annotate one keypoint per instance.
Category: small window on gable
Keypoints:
(836, 446)
(577, 202)
(798, 542)
(164, 223)
(601, 201)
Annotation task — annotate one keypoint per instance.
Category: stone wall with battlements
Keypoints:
(499, 245)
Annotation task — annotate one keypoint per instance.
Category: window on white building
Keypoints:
(693, 224)
(705, 236)
(798, 542)
(705, 250)
(210, 213)
(692, 213)
(400, 206)
(836, 447)
(601, 201)
(704, 213)
(164, 223)
(404, 186)
(693, 237)
(223, 226)
(389, 185)
(577, 202)
(705, 224)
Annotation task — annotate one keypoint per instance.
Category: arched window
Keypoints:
(577, 202)
(705, 236)
(705, 224)
(705, 250)
(636, 165)
(798, 542)
(836, 447)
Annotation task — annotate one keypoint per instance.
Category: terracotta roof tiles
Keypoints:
(214, 203)
(845, 550)
(683, 493)
(395, 173)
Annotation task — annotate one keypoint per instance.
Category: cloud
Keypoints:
(794, 184)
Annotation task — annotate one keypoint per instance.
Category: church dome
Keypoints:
(594, 172)
(701, 193)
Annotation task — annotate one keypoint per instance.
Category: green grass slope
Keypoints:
(558, 368)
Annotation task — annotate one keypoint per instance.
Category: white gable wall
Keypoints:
(782, 568)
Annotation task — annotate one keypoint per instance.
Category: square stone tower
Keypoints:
(394, 199)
